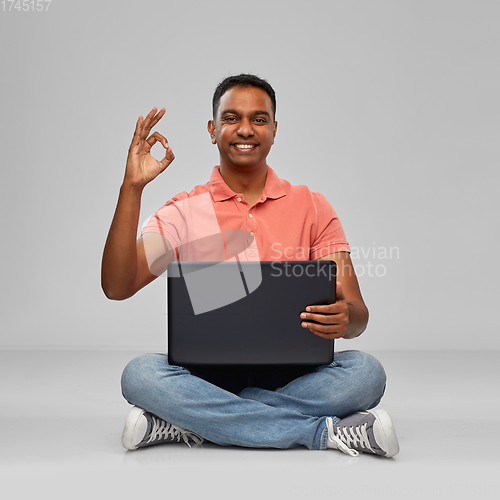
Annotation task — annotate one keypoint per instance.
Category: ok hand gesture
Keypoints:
(142, 168)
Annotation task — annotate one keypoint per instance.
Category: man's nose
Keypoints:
(245, 129)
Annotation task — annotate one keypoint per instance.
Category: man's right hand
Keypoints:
(142, 168)
(124, 262)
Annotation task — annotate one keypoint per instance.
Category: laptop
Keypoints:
(247, 314)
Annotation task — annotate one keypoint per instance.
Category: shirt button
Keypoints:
(251, 233)
(239, 199)
(250, 215)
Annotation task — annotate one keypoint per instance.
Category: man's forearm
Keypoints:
(119, 260)
(358, 319)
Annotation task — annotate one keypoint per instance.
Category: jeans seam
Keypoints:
(324, 437)
(324, 434)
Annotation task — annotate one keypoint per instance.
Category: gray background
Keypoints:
(389, 108)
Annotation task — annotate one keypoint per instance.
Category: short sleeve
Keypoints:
(167, 221)
(330, 237)
(189, 223)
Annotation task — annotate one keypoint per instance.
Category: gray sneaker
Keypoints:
(369, 431)
(145, 429)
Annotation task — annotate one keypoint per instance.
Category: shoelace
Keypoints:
(348, 438)
(166, 430)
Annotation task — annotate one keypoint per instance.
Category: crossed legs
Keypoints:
(286, 417)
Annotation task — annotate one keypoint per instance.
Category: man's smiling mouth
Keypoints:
(245, 146)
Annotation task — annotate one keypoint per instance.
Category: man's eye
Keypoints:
(260, 120)
(229, 119)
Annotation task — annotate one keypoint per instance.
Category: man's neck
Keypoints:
(249, 182)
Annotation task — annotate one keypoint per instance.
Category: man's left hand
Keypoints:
(331, 320)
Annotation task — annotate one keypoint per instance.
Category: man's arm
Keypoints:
(125, 267)
(348, 316)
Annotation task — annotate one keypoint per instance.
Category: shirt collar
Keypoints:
(221, 191)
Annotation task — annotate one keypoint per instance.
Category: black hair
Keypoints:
(243, 80)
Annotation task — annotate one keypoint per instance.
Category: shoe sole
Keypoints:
(385, 435)
(129, 439)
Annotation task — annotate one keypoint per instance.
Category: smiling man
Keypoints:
(244, 129)
(325, 407)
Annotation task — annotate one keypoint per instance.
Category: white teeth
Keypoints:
(244, 146)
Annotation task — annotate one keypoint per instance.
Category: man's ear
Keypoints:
(211, 130)
(275, 129)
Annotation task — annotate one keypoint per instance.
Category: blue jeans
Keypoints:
(258, 410)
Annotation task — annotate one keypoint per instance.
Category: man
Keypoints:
(319, 408)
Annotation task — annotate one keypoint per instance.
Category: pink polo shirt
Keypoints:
(212, 222)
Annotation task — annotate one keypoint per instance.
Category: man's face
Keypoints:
(244, 127)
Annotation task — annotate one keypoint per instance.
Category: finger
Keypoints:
(328, 336)
(145, 128)
(158, 117)
(169, 155)
(168, 159)
(323, 328)
(137, 132)
(333, 308)
(157, 137)
(330, 319)
(151, 120)
(325, 331)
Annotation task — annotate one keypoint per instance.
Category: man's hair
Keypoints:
(243, 80)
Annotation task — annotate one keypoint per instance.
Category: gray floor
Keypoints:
(62, 416)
